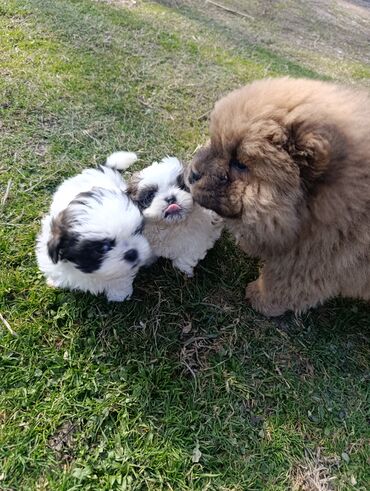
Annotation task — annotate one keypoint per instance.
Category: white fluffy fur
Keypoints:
(105, 213)
(185, 242)
(121, 160)
(183, 237)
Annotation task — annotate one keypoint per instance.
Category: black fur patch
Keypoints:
(87, 255)
(146, 196)
(65, 245)
(181, 183)
(82, 198)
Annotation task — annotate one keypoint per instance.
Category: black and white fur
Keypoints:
(92, 238)
(175, 226)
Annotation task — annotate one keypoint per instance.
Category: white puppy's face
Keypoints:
(160, 193)
(100, 232)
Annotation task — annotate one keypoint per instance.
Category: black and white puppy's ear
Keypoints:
(59, 236)
(133, 187)
(54, 248)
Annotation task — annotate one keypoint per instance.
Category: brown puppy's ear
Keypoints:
(311, 149)
(275, 133)
(58, 237)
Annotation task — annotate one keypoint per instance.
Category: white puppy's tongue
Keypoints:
(174, 208)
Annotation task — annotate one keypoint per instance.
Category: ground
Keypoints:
(184, 387)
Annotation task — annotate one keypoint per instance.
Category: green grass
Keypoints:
(98, 396)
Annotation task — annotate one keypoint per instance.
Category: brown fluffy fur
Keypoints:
(303, 202)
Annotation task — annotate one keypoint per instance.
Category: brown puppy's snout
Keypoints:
(194, 176)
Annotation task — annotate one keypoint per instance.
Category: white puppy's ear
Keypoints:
(121, 160)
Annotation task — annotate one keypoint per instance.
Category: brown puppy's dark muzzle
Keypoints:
(198, 191)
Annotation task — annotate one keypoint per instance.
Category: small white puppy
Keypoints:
(92, 239)
(175, 226)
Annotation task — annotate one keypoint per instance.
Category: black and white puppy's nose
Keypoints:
(194, 176)
(171, 200)
(131, 255)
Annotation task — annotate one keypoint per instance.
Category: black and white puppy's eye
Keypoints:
(236, 164)
(146, 197)
(107, 245)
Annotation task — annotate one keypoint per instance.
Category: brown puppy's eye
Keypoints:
(224, 179)
(236, 164)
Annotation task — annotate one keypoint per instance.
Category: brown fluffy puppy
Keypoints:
(288, 165)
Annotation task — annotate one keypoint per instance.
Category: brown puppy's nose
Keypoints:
(194, 176)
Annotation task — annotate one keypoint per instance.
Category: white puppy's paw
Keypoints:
(118, 294)
(51, 283)
(185, 268)
(117, 297)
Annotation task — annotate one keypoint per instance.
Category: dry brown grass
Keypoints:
(314, 473)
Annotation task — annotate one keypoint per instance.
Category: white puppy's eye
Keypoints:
(236, 164)
(146, 197)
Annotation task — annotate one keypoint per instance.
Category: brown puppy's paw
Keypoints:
(257, 300)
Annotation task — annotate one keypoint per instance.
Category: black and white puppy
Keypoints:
(92, 238)
(175, 226)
